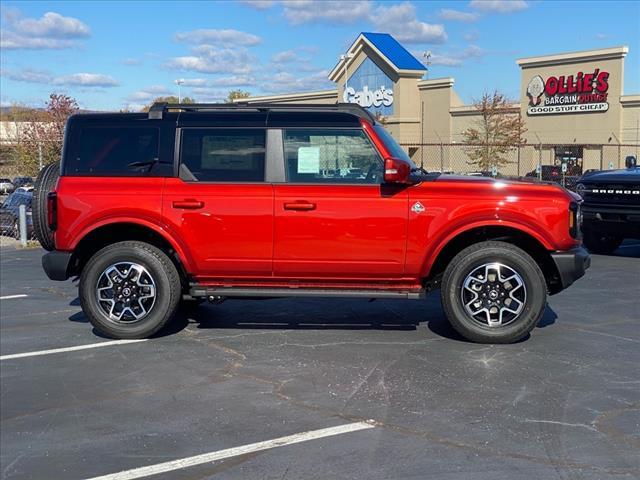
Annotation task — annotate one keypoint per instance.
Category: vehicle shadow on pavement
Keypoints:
(313, 315)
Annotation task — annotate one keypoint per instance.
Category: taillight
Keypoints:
(52, 210)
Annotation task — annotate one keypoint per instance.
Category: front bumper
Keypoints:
(571, 265)
(56, 265)
(621, 220)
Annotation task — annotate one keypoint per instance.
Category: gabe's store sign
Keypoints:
(580, 93)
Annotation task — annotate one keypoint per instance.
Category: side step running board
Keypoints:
(240, 292)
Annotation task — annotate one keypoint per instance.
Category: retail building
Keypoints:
(573, 106)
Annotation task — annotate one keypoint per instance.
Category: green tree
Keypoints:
(236, 95)
(496, 131)
(169, 99)
(41, 135)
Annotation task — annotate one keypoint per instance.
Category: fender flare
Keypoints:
(432, 255)
(183, 255)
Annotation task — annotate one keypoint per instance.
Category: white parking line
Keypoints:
(69, 349)
(234, 452)
(9, 297)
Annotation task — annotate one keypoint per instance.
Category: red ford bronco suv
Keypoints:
(255, 201)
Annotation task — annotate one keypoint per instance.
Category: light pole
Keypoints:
(344, 58)
(179, 83)
(427, 56)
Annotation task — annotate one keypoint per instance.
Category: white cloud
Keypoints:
(193, 82)
(286, 56)
(601, 36)
(86, 80)
(234, 81)
(471, 36)
(130, 62)
(147, 94)
(51, 31)
(208, 59)
(53, 25)
(457, 15)
(401, 22)
(221, 37)
(309, 11)
(30, 75)
(456, 59)
(499, 6)
(286, 82)
(259, 4)
(209, 95)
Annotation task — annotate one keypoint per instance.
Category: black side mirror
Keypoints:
(630, 161)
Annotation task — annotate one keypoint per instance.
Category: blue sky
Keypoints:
(110, 55)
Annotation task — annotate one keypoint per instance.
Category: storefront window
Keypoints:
(572, 155)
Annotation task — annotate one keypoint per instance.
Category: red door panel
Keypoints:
(227, 228)
(341, 232)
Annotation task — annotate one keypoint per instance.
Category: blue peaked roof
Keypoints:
(396, 53)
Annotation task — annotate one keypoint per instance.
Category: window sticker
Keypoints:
(309, 160)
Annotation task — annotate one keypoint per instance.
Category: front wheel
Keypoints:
(493, 292)
(129, 290)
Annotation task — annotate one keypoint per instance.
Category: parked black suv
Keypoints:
(611, 208)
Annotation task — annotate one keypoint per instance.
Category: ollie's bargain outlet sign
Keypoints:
(580, 93)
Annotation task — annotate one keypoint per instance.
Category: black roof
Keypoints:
(241, 115)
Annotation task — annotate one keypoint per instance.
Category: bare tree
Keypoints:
(497, 130)
(40, 140)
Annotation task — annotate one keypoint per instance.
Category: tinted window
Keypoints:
(114, 150)
(225, 155)
(331, 156)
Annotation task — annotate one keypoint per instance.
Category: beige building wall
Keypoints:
(630, 133)
(575, 128)
(429, 118)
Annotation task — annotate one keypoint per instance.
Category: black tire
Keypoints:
(474, 257)
(45, 183)
(600, 243)
(163, 273)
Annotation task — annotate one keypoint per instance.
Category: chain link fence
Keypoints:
(562, 163)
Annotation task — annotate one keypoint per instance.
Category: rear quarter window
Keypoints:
(117, 151)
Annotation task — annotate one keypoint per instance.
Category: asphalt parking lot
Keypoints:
(377, 390)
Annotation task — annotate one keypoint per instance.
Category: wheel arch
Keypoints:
(112, 232)
(525, 240)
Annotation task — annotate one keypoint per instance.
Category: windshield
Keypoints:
(391, 144)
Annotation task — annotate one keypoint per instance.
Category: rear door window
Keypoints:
(223, 155)
(117, 151)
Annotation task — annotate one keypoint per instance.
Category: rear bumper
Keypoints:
(56, 264)
(571, 265)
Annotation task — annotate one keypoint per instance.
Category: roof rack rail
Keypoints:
(157, 109)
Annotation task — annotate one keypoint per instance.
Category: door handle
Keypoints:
(188, 204)
(300, 206)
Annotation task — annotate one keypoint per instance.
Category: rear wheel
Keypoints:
(129, 290)
(601, 243)
(45, 183)
(493, 292)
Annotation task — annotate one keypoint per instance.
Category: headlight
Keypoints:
(580, 189)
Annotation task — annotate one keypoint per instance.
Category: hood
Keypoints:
(472, 185)
(628, 175)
